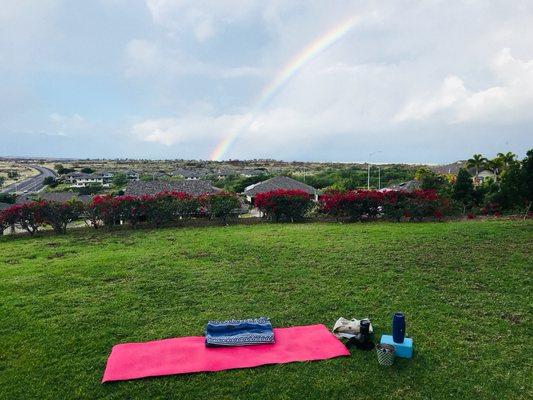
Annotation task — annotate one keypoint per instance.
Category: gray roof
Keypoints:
(23, 199)
(278, 182)
(194, 188)
(408, 186)
(192, 172)
(64, 197)
(5, 206)
(448, 168)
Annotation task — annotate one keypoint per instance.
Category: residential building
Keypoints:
(408, 186)
(192, 173)
(279, 182)
(84, 180)
(63, 197)
(132, 175)
(191, 187)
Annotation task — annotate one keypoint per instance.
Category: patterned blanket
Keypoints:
(239, 332)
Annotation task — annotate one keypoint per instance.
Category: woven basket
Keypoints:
(385, 354)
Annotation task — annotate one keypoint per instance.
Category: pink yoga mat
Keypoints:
(189, 354)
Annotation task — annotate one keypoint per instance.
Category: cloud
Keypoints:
(510, 100)
(178, 75)
(64, 125)
(185, 130)
(146, 58)
(203, 17)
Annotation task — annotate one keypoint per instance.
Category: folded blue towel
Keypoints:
(239, 332)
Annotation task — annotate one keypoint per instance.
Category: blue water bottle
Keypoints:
(398, 327)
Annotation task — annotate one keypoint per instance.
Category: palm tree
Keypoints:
(495, 165)
(507, 159)
(477, 161)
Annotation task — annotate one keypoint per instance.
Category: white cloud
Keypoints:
(203, 17)
(67, 124)
(185, 130)
(510, 100)
(145, 58)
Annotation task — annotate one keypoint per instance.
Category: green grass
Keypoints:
(464, 286)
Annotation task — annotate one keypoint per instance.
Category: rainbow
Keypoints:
(282, 78)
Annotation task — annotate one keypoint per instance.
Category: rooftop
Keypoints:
(278, 182)
(194, 187)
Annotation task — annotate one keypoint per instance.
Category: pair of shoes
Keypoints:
(348, 328)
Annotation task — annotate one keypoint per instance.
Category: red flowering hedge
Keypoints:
(58, 215)
(30, 216)
(359, 205)
(26, 216)
(279, 205)
(283, 205)
(160, 209)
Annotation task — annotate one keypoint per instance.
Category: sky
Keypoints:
(312, 80)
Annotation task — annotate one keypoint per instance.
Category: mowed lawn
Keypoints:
(464, 287)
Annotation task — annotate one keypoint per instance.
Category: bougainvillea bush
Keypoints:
(168, 207)
(102, 209)
(221, 205)
(354, 205)
(130, 209)
(26, 216)
(161, 209)
(58, 215)
(360, 205)
(283, 205)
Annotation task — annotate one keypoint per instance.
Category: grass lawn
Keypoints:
(464, 287)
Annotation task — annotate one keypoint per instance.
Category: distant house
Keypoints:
(5, 206)
(484, 175)
(83, 180)
(191, 187)
(192, 173)
(23, 199)
(247, 173)
(481, 176)
(224, 173)
(408, 186)
(452, 168)
(72, 176)
(278, 182)
(63, 197)
(132, 175)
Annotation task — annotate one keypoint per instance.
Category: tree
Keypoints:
(527, 167)
(513, 188)
(120, 179)
(50, 181)
(7, 198)
(477, 161)
(61, 170)
(222, 205)
(2, 180)
(429, 179)
(506, 159)
(87, 170)
(58, 215)
(463, 190)
(13, 175)
(422, 172)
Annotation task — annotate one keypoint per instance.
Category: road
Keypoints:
(30, 185)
